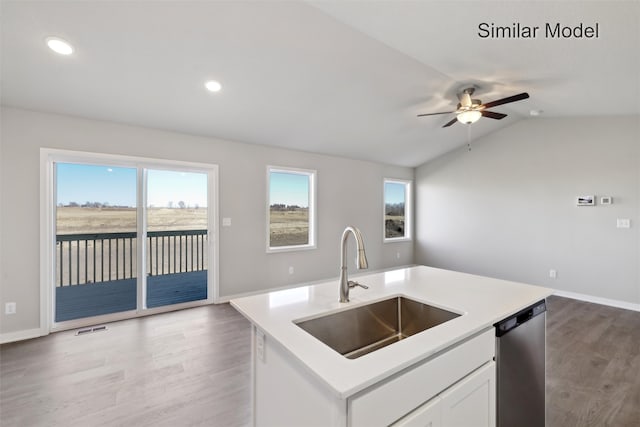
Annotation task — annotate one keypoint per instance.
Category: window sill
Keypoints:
(397, 240)
(296, 248)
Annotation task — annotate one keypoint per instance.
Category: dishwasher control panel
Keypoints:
(504, 326)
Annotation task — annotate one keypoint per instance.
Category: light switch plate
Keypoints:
(226, 222)
(623, 223)
(10, 308)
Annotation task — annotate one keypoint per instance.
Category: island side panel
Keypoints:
(286, 394)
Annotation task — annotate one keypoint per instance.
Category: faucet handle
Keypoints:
(353, 284)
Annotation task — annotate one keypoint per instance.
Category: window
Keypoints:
(291, 209)
(397, 210)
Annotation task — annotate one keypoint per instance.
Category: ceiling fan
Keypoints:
(470, 110)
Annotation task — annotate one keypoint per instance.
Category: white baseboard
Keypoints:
(22, 335)
(598, 300)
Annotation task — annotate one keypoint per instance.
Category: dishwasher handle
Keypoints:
(521, 318)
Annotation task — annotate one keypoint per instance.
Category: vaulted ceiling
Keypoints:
(342, 77)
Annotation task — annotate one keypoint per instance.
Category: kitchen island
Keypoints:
(299, 380)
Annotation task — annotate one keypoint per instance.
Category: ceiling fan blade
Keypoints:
(434, 114)
(514, 98)
(493, 115)
(450, 123)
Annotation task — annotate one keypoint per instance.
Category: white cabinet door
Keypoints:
(471, 402)
(427, 415)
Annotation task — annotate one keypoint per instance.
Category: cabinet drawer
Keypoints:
(386, 403)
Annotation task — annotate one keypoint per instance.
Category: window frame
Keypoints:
(313, 176)
(408, 210)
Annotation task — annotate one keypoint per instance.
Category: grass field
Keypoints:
(76, 220)
(287, 228)
(83, 261)
(394, 226)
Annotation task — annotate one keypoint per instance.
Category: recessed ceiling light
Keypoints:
(535, 112)
(59, 46)
(213, 86)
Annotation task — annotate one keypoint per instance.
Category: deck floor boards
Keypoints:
(78, 301)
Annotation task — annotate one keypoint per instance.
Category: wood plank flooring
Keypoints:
(189, 367)
(593, 365)
(192, 367)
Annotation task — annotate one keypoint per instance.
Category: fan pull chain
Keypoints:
(469, 137)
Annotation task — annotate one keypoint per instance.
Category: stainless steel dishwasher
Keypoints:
(520, 367)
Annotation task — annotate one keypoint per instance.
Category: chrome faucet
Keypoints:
(361, 262)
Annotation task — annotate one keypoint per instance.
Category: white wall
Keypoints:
(350, 192)
(507, 208)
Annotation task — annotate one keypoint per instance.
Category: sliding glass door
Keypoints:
(129, 239)
(177, 237)
(96, 240)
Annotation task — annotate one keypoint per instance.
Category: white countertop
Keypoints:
(482, 301)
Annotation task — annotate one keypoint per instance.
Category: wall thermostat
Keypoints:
(606, 200)
(586, 200)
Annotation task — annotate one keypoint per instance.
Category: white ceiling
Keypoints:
(343, 78)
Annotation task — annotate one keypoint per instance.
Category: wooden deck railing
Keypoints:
(102, 257)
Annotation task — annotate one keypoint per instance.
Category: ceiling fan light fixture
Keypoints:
(468, 117)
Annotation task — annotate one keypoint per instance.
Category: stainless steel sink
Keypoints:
(361, 330)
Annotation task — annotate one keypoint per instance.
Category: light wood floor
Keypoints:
(192, 367)
(189, 367)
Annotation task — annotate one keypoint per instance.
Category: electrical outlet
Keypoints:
(291, 270)
(553, 274)
(10, 308)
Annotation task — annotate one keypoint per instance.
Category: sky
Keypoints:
(289, 189)
(393, 192)
(117, 186)
(171, 186)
